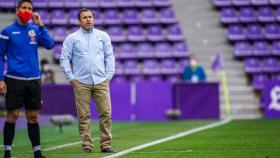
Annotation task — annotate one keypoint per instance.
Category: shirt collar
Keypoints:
(84, 31)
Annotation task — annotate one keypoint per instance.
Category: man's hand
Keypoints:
(73, 82)
(37, 19)
(3, 88)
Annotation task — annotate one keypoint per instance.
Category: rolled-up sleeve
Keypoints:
(66, 58)
(109, 57)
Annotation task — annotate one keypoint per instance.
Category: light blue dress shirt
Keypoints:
(88, 56)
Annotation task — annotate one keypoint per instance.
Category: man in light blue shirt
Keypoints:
(88, 62)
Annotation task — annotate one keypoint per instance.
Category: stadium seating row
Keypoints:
(90, 3)
(111, 16)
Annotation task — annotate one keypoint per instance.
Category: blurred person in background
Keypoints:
(88, 62)
(21, 85)
(47, 74)
(194, 72)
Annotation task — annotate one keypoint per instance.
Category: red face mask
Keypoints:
(24, 16)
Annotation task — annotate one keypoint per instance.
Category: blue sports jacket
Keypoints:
(19, 47)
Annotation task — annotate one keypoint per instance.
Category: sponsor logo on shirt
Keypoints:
(32, 35)
(16, 33)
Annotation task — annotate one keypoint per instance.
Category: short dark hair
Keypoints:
(44, 61)
(22, 1)
(83, 10)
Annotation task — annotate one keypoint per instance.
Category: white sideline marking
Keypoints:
(179, 135)
(164, 151)
(65, 145)
(62, 146)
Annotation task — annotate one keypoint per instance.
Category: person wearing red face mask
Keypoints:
(21, 84)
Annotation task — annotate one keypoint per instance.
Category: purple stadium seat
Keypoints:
(163, 50)
(145, 50)
(228, 15)
(44, 16)
(260, 2)
(241, 2)
(135, 33)
(247, 15)
(169, 66)
(118, 79)
(173, 78)
(149, 16)
(272, 31)
(59, 34)
(182, 64)
(154, 78)
(236, 32)
(253, 65)
(150, 67)
(126, 3)
(98, 20)
(277, 13)
(271, 65)
(119, 68)
(261, 48)
(112, 16)
(127, 50)
(162, 3)
(57, 51)
(72, 4)
(242, 49)
(90, 3)
(108, 3)
(266, 14)
(74, 28)
(56, 4)
(274, 2)
(58, 17)
(137, 78)
(143, 3)
(180, 49)
(275, 77)
(131, 67)
(259, 81)
(40, 3)
(116, 33)
(174, 33)
(275, 48)
(130, 16)
(7, 4)
(254, 32)
(72, 17)
(167, 16)
(222, 3)
(154, 33)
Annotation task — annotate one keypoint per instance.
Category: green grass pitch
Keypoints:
(238, 139)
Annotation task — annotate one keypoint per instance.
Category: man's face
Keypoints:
(25, 6)
(86, 20)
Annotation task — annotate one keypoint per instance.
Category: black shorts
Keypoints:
(23, 93)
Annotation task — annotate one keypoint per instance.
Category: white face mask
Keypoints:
(193, 62)
(46, 67)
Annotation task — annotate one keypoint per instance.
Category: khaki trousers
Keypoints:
(101, 96)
